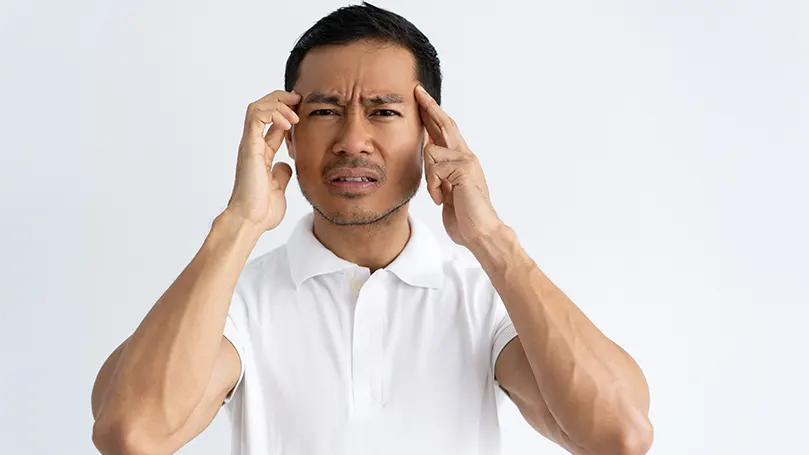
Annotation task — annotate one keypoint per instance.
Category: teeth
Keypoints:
(353, 179)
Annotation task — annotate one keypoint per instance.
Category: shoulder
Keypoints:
(270, 266)
(463, 272)
(260, 275)
(475, 291)
(264, 272)
(462, 269)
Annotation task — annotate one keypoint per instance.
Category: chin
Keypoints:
(346, 208)
(347, 211)
(356, 216)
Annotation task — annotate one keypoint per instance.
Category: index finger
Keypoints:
(288, 98)
(440, 126)
(271, 108)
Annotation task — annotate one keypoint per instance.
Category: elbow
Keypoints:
(635, 439)
(627, 438)
(121, 439)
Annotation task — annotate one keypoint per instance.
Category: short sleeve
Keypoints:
(236, 339)
(235, 331)
(504, 330)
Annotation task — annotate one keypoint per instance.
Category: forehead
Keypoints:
(355, 69)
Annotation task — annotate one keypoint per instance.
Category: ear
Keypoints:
(289, 142)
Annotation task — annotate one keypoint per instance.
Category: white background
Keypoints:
(652, 156)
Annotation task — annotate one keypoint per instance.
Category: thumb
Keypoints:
(273, 139)
(281, 172)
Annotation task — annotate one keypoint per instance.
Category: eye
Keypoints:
(386, 113)
(322, 112)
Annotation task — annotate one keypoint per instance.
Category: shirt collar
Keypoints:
(419, 264)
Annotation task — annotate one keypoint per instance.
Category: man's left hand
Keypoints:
(455, 177)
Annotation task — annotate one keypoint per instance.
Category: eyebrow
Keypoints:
(329, 98)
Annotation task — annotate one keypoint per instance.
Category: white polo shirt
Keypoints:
(336, 360)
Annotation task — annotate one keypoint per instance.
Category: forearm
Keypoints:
(594, 390)
(162, 372)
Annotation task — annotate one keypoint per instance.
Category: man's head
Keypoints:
(358, 145)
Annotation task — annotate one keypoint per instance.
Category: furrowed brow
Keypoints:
(336, 100)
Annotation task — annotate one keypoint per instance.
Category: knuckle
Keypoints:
(255, 109)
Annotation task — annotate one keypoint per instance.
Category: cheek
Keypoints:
(311, 141)
(313, 133)
(408, 166)
(403, 136)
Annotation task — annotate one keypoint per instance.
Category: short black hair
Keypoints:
(367, 22)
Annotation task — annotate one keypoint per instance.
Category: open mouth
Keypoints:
(353, 179)
(353, 184)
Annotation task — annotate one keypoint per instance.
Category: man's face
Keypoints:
(357, 147)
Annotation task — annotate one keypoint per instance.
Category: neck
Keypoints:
(372, 245)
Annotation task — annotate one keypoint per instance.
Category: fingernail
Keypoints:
(421, 89)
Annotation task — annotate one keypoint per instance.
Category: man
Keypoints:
(359, 335)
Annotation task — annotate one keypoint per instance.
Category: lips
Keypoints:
(353, 180)
(355, 175)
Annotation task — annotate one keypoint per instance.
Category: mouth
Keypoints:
(354, 179)
(353, 184)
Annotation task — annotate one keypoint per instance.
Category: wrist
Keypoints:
(232, 226)
(498, 249)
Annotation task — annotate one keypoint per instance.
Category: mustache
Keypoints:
(355, 163)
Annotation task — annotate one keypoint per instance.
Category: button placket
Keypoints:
(361, 343)
(369, 318)
(375, 292)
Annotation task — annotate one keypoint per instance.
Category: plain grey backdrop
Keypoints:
(652, 157)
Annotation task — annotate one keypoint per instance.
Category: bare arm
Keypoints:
(572, 382)
(226, 368)
(514, 374)
(594, 392)
(165, 383)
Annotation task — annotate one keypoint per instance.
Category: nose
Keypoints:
(354, 137)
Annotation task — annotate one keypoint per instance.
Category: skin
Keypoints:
(361, 112)
(572, 383)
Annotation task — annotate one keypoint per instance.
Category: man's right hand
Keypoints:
(258, 191)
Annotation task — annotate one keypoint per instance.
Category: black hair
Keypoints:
(367, 22)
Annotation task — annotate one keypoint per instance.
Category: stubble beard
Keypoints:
(363, 217)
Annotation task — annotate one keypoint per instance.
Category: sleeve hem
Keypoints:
(502, 338)
(233, 336)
